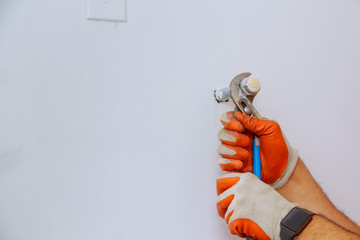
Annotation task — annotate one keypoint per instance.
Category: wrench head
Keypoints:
(241, 101)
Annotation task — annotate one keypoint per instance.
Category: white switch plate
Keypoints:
(106, 10)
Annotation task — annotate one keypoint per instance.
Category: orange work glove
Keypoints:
(278, 158)
(251, 207)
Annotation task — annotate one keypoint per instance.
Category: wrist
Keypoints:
(321, 228)
(294, 223)
(302, 188)
(292, 189)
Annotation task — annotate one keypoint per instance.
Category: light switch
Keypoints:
(106, 10)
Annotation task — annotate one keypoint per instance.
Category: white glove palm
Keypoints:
(251, 207)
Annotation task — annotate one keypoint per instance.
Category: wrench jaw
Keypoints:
(242, 102)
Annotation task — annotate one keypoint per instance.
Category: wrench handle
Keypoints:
(256, 163)
(256, 157)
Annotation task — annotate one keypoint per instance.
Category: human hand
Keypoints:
(251, 207)
(278, 158)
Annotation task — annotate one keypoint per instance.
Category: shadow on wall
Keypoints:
(10, 159)
(6, 9)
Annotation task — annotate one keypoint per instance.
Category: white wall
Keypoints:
(109, 131)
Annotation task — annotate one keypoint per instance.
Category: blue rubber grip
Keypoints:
(256, 160)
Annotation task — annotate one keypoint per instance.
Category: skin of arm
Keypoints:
(303, 189)
(321, 228)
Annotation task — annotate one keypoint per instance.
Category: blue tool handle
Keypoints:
(256, 157)
(256, 163)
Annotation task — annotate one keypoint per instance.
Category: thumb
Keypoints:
(253, 124)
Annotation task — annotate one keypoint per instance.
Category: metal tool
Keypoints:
(242, 91)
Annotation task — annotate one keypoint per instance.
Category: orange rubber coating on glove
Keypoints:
(223, 205)
(239, 153)
(233, 164)
(241, 226)
(224, 184)
(274, 153)
(221, 186)
(241, 160)
(232, 123)
(241, 139)
(238, 226)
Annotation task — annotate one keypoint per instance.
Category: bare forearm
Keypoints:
(303, 189)
(322, 229)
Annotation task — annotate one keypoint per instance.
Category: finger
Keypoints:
(231, 123)
(223, 205)
(226, 181)
(230, 164)
(248, 163)
(232, 152)
(227, 218)
(241, 227)
(256, 125)
(233, 138)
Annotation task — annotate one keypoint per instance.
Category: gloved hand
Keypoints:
(278, 158)
(251, 207)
